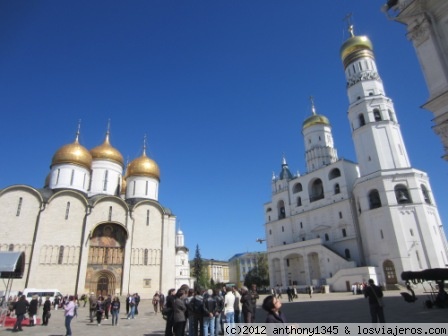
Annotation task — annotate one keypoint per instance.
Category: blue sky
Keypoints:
(220, 88)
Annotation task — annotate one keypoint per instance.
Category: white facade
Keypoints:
(344, 222)
(80, 236)
(427, 29)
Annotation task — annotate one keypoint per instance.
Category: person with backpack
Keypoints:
(115, 310)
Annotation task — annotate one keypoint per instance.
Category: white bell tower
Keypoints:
(375, 130)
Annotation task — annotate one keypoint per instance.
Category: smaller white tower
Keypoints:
(319, 145)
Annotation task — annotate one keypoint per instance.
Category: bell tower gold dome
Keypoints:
(73, 153)
(143, 166)
(355, 47)
(105, 151)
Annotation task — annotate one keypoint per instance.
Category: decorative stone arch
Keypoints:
(334, 173)
(314, 266)
(107, 241)
(316, 190)
(103, 282)
(389, 272)
(297, 188)
(276, 272)
(281, 209)
(295, 266)
(374, 199)
(402, 194)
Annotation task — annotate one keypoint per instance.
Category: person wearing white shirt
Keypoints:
(229, 311)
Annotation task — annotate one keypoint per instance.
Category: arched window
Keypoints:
(299, 201)
(402, 194)
(374, 199)
(317, 190)
(344, 233)
(361, 120)
(425, 194)
(281, 210)
(377, 115)
(347, 254)
(297, 188)
(327, 238)
(337, 189)
(268, 209)
(334, 173)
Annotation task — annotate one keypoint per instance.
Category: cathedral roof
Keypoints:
(106, 152)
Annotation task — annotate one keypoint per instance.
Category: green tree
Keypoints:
(259, 275)
(198, 268)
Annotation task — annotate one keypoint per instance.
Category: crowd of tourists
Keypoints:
(200, 312)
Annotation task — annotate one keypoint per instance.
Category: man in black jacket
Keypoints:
(254, 296)
(375, 294)
(211, 310)
(246, 301)
(20, 307)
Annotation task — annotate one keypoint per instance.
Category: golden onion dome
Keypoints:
(315, 119)
(106, 152)
(143, 166)
(356, 47)
(73, 153)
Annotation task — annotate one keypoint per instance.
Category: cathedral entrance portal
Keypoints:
(106, 258)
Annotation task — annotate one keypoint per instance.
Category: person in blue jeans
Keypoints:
(115, 310)
(211, 310)
(131, 314)
(69, 312)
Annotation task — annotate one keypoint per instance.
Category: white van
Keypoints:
(51, 293)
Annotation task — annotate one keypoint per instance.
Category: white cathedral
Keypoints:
(94, 227)
(344, 222)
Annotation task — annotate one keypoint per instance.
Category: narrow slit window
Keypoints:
(72, 177)
(110, 213)
(106, 177)
(147, 217)
(19, 206)
(67, 210)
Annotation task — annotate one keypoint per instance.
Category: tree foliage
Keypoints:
(198, 269)
(259, 275)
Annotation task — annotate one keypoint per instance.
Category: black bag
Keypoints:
(48, 315)
(166, 311)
